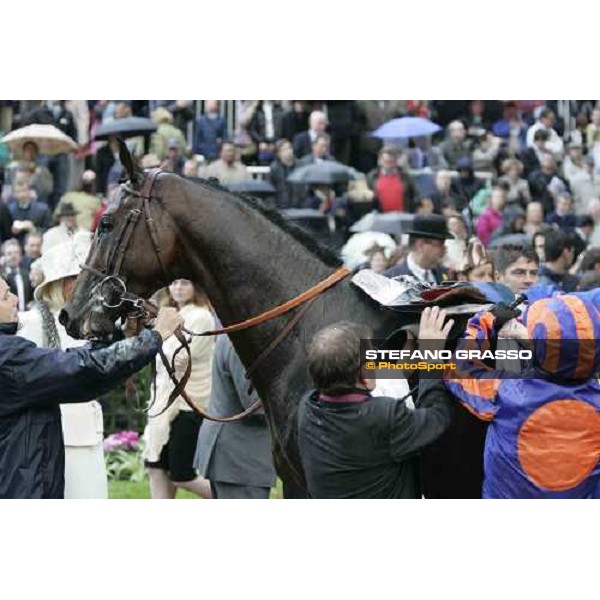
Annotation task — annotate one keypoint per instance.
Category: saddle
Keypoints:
(409, 295)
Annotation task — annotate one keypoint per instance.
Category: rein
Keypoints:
(142, 309)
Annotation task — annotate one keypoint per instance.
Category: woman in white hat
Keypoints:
(85, 471)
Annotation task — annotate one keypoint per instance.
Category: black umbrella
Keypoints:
(326, 172)
(304, 215)
(125, 128)
(253, 187)
(310, 219)
(394, 223)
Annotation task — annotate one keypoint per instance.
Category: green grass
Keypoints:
(129, 490)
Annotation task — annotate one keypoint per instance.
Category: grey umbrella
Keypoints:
(326, 172)
(125, 128)
(253, 187)
(394, 223)
(513, 239)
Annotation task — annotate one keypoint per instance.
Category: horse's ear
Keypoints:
(128, 163)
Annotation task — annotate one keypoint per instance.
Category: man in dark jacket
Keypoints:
(15, 274)
(6, 222)
(559, 254)
(353, 445)
(294, 121)
(104, 160)
(211, 131)
(51, 112)
(303, 141)
(531, 156)
(28, 215)
(33, 381)
(288, 195)
(346, 124)
(427, 249)
(541, 178)
(466, 185)
(265, 125)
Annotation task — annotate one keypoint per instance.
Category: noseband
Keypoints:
(114, 295)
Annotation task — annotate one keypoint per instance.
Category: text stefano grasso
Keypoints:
(499, 354)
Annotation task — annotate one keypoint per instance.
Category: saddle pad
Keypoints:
(406, 294)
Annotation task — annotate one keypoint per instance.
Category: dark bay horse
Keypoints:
(248, 260)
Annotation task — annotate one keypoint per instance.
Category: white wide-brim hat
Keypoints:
(64, 260)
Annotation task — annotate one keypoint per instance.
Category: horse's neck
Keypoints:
(246, 263)
(249, 267)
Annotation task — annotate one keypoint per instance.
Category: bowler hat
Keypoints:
(430, 227)
(67, 210)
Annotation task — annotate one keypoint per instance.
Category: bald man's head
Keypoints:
(334, 356)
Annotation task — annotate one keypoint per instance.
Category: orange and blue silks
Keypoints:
(544, 435)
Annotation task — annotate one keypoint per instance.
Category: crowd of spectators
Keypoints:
(499, 168)
(506, 192)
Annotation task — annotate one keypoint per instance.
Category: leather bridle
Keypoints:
(139, 308)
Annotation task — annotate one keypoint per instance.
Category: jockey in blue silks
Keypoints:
(544, 435)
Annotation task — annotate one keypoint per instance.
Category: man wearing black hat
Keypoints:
(427, 250)
(66, 228)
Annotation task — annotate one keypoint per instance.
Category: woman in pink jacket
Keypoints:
(491, 218)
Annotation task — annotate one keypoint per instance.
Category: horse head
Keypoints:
(131, 255)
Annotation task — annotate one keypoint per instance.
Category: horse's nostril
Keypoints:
(63, 317)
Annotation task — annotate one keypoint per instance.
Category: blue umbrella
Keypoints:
(406, 127)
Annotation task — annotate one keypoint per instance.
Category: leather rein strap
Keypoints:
(277, 311)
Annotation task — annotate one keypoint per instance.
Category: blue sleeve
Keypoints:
(472, 382)
(49, 376)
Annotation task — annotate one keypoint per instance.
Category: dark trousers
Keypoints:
(232, 491)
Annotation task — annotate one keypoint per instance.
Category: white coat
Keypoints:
(85, 470)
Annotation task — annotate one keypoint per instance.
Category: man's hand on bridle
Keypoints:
(132, 327)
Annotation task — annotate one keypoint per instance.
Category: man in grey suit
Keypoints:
(235, 457)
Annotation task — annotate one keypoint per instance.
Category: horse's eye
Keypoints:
(106, 225)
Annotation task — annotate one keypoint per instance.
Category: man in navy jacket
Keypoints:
(211, 132)
(33, 381)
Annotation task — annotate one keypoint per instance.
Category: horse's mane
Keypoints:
(326, 255)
